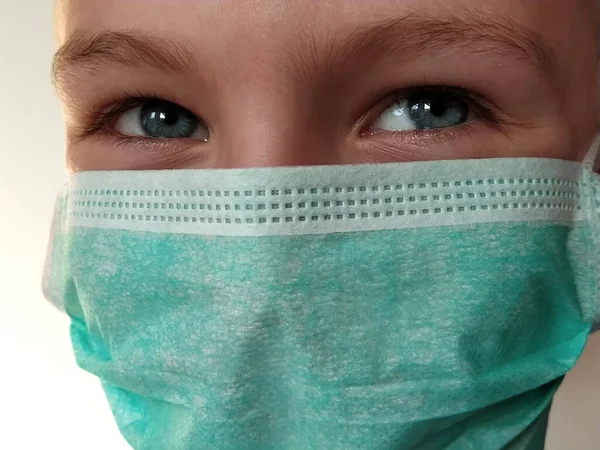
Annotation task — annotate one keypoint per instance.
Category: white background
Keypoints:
(45, 400)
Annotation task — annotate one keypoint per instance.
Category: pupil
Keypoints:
(169, 116)
(438, 108)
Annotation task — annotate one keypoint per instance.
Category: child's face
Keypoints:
(279, 82)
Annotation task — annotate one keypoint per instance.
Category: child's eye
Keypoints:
(424, 110)
(160, 119)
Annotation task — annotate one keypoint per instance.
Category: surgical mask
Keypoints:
(424, 305)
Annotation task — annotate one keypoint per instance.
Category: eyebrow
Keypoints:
(410, 35)
(130, 48)
(418, 33)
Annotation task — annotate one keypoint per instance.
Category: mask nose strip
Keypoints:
(592, 164)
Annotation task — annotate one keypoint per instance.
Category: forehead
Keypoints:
(263, 22)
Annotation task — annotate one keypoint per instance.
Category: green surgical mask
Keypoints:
(427, 305)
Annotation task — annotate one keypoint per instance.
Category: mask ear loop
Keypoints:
(592, 158)
(52, 286)
(591, 186)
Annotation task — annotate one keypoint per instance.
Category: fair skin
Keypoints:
(276, 82)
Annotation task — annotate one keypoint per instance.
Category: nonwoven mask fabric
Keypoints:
(422, 306)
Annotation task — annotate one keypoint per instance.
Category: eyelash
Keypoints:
(101, 120)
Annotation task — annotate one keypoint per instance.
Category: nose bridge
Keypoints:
(267, 123)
